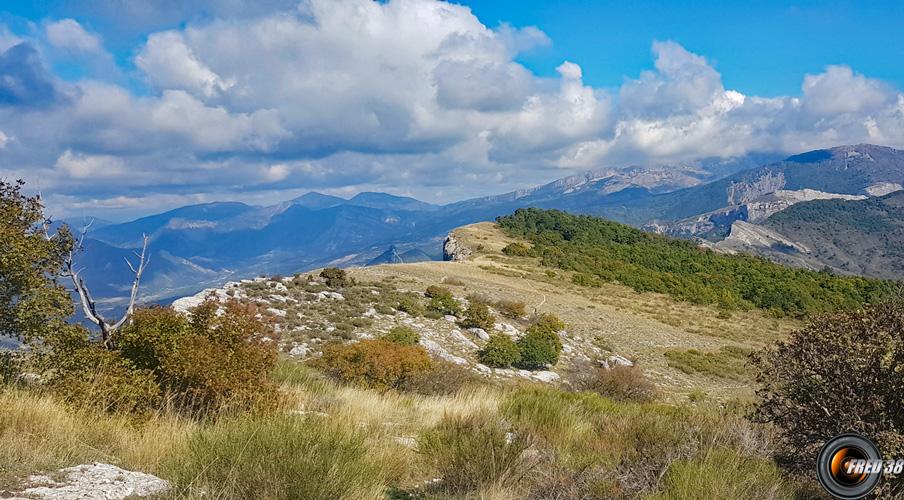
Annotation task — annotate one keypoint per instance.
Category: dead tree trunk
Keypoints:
(89, 306)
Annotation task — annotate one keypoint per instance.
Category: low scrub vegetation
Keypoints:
(402, 335)
(500, 352)
(595, 447)
(511, 309)
(478, 315)
(539, 347)
(728, 362)
(335, 277)
(516, 250)
(441, 301)
(216, 361)
(599, 251)
(621, 383)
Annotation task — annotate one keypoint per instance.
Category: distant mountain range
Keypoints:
(199, 246)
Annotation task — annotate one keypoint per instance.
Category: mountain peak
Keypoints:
(317, 200)
(388, 201)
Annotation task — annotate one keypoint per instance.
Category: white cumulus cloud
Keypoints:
(70, 35)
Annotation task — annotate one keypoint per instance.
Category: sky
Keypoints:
(117, 108)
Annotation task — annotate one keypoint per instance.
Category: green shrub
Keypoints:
(511, 308)
(279, 458)
(373, 363)
(472, 451)
(335, 277)
(516, 250)
(478, 315)
(538, 349)
(411, 305)
(442, 301)
(500, 352)
(548, 322)
(403, 335)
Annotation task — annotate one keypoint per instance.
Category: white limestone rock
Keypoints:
(546, 376)
(480, 333)
(329, 295)
(95, 481)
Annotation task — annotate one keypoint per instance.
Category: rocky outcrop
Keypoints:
(739, 193)
(97, 480)
(454, 250)
(719, 222)
(748, 237)
(883, 188)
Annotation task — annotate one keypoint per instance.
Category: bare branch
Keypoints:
(142, 263)
(89, 306)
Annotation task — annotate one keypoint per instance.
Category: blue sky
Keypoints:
(761, 47)
(122, 108)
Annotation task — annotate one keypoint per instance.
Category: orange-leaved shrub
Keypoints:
(379, 363)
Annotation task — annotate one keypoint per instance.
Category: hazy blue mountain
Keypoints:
(393, 256)
(316, 200)
(389, 202)
(192, 217)
(198, 245)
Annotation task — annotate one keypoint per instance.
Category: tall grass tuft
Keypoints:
(474, 451)
(280, 457)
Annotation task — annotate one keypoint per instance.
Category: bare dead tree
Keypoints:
(89, 305)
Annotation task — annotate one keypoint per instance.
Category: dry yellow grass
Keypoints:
(39, 434)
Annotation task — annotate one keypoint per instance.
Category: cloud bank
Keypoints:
(412, 96)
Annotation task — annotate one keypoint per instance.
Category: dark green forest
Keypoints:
(601, 251)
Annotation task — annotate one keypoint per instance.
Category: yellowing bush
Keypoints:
(374, 363)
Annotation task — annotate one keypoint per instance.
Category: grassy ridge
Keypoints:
(603, 251)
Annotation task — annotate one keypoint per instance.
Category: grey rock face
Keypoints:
(454, 250)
